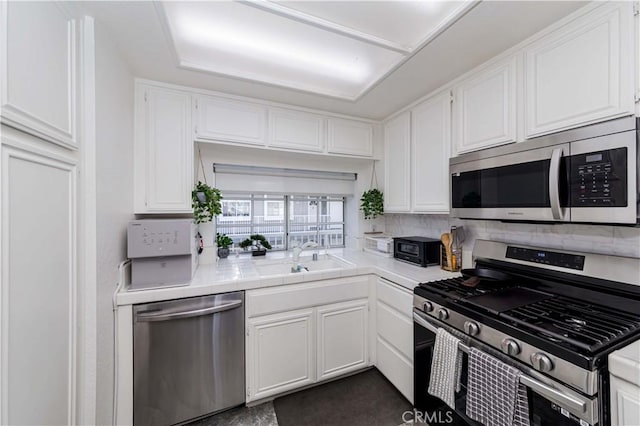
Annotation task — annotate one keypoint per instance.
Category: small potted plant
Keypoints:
(205, 201)
(372, 203)
(258, 243)
(223, 241)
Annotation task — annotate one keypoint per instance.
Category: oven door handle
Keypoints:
(535, 385)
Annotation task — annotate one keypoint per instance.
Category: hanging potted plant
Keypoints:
(372, 201)
(206, 204)
(223, 241)
(258, 243)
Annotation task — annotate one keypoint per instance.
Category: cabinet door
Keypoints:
(342, 338)
(350, 137)
(39, 302)
(485, 108)
(38, 70)
(430, 145)
(397, 154)
(164, 161)
(625, 403)
(582, 72)
(280, 353)
(296, 130)
(228, 120)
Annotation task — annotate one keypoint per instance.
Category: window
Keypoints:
(284, 220)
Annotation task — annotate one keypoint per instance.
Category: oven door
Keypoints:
(550, 403)
(522, 185)
(409, 251)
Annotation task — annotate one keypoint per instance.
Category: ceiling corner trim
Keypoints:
(286, 12)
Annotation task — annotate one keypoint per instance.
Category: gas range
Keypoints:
(558, 316)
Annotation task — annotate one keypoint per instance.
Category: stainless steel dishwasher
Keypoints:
(188, 358)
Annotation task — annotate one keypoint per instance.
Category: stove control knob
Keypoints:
(510, 347)
(443, 314)
(471, 328)
(541, 362)
(427, 306)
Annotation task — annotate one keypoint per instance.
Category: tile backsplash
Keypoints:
(616, 240)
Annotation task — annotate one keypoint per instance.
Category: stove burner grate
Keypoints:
(583, 325)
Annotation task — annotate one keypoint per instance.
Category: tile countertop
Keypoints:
(240, 273)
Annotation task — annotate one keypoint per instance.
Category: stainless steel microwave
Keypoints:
(587, 175)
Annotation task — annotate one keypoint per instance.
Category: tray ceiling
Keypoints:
(337, 49)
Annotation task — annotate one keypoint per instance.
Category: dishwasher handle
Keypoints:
(188, 314)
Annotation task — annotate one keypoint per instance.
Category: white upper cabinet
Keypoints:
(228, 120)
(38, 70)
(430, 147)
(582, 72)
(485, 108)
(296, 130)
(397, 155)
(163, 164)
(349, 137)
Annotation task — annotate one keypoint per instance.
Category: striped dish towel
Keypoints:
(446, 367)
(495, 396)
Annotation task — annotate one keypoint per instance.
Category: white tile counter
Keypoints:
(240, 273)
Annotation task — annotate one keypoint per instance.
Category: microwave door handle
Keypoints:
(554, 185)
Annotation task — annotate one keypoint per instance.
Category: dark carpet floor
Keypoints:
(363, 399)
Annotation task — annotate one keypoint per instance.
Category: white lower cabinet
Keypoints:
(394, 340)
(304, 333)
(342, 338)
(281, 352)
(625, 403)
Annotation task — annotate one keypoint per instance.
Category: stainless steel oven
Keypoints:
(555, 316)
(588, 174)
(550, 403)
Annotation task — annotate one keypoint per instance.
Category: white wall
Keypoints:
(354, 224)
(114, 152)
(616, 240)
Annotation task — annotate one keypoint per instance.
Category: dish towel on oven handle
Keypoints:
(495, 396)
(446, 367)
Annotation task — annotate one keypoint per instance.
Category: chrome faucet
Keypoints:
(298, 249)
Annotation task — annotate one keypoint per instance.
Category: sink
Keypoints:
(283, 266)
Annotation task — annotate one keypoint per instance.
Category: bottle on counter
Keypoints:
(457, 237)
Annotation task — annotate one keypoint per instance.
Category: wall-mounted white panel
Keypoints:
(397, 163)
(38, 70)
(485, 108)
(582, 72)
(296, 130)
(38, 294)
(349, 137)
(430, 148)
(228, 120)
(164, 152)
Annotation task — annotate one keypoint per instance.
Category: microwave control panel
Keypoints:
(160, 237)
(599, 179)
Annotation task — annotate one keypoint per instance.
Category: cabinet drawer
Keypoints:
(297, 296)
(395, 368)
(395, 329)
(395, 296)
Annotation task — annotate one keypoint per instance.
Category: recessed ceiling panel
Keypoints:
(234, 39)
(405, 23)
(338, 49)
